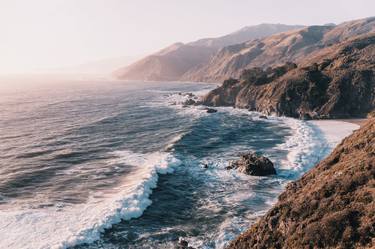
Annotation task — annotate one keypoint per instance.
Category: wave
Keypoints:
(306, 146)
(65, 226)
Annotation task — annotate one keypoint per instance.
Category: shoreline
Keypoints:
(335, 130)
(358, 121)
(326, 194)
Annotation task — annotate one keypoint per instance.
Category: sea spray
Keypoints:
(78, 224)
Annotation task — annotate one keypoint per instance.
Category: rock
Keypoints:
(210, 110)
(189, 102)
(252, 164)
(263, 117)
(305, 116)
(189, 95)
(183, 244)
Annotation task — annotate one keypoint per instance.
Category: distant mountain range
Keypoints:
(172, 63)
(264, 45)
(294, 46)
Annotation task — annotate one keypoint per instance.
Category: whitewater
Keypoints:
(109, 164)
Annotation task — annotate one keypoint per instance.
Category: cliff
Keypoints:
(337, 82)
(331, 206)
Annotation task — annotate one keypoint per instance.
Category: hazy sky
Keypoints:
(38, 34)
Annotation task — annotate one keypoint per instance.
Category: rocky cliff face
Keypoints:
(172, 62)
(337, 82)
(277, 49)
(332, 206)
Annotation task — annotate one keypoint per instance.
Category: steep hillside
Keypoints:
(245, 34)
(168, 64)
(276, 49)
(332, 206)
(171, 63)
(337, 82)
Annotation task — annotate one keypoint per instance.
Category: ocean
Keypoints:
(111, 164)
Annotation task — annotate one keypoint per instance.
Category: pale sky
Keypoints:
(42, 34)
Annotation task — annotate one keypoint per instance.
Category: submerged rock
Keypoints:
(190, 102)
(183, 244)
(252, 164)
(210, 110)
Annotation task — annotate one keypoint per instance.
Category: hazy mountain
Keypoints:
(276, 49)
(174, 61)
(245, 34)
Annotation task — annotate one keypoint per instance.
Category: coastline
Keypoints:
(357, 121)
(311, 209)
(335, 130)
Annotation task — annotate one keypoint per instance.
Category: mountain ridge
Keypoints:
(276, 49)
(171, 63)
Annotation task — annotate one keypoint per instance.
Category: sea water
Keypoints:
(109, 164)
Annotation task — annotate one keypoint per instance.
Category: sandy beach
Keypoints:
(335, 131)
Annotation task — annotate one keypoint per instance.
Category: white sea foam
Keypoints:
(173, 141)
(304, 145)
(311, 141)
(308, 143)
(63, 227)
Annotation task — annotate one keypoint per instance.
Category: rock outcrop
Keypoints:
(171, 63)
(277, 49)
(252, 164)
(210, 110)
(337, 82)
(331, 206)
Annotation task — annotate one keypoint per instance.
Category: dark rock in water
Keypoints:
(252, 164)
(189, 102)
(183, 244)
(205, 166)
(263, 117)
(305, 116)
(210, 110)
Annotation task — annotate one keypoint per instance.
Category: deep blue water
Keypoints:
(78, 162)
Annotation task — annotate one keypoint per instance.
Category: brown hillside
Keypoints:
(338, 82)
(277, 49)
(332, 206)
